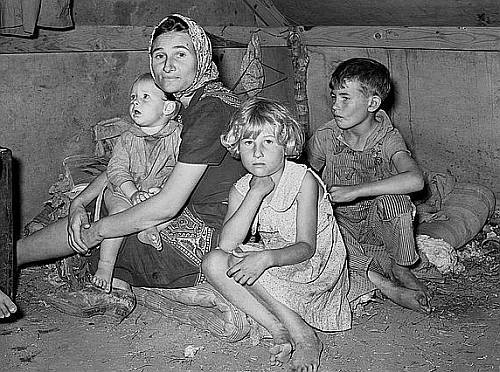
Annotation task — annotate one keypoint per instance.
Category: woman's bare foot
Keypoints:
(307, 353)
(409, 298)
(281, 349)
(103, 276)
(7, 307)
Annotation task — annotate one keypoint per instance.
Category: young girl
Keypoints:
(295, 279)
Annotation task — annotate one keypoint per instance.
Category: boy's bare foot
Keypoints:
(103, 276)
(307, 353)
(406, 277)
(281, 349)
(7, 307)
(409, 298)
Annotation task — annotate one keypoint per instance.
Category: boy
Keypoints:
(369, 171)
(143, 158)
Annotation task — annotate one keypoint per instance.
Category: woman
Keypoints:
(194, 198)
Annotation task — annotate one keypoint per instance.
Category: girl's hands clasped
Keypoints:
(250, 266)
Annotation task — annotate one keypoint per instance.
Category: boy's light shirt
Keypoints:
(378, 139)
(384, 125)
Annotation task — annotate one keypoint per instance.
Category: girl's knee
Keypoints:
(214, 261)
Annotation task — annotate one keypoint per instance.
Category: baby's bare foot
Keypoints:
(7, 307)
(307, 353)
(151, 237)
(103, 276)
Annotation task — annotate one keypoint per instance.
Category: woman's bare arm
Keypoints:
(159, 208)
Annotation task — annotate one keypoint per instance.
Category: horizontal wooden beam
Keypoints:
(437, 38)
(130, 38)
(136, 38)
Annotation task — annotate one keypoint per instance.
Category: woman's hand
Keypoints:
(250, 267)
(77, 220)
(90, 236)
(262, 185)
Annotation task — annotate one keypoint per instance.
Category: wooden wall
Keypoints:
(447, 83)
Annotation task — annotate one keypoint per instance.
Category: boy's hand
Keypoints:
(139, 196)
(250, 267)
(343, 194)
(262, 185)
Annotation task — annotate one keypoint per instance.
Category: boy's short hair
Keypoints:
(253, 115)
(148, 77)
(373, 76)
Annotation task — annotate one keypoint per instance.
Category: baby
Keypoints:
(142, 159)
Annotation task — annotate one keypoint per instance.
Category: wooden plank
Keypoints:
(393, 12)
(450, 38)
(136, 38)
(6, 224)
(130, 38)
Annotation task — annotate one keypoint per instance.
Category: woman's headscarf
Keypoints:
(206, 69)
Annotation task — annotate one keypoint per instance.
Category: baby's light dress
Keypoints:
(317, 288)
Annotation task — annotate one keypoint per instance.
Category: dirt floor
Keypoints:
(462, 334)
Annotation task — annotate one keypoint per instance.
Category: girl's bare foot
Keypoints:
(307, 353)
(7, 307)
(281, 349)
(103, 276)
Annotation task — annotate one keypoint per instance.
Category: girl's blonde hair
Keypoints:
(251, 118)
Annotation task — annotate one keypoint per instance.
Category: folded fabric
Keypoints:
(201, 306)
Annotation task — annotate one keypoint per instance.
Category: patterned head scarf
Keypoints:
(206, 69)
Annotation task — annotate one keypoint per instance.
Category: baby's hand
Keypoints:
(343, 194)
(250, 267)
(262, 185)
(139, 196)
